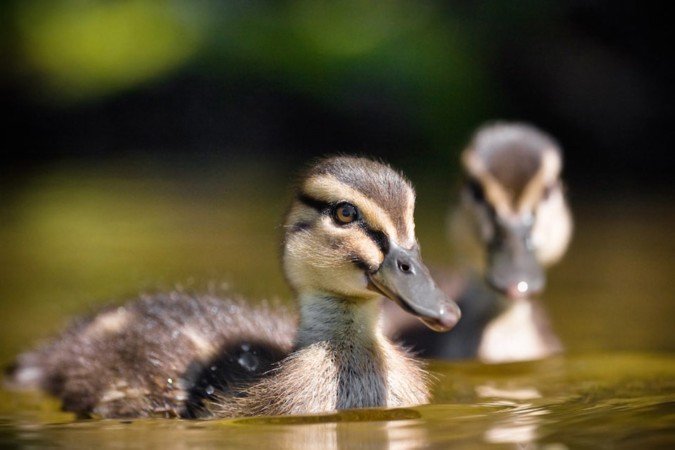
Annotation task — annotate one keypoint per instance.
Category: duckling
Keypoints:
(349, 239)
(514, 212)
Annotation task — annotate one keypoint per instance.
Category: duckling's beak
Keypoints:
(513, 268)
(403, 278)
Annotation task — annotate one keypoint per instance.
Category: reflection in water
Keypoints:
(522, 419)
(366, 429)
(330, 432)
(489, 391)
(572, 402)
(520, 425)
(392, 435)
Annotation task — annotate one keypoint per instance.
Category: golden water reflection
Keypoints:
(622, 400)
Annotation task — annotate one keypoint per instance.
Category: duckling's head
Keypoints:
(516, 200)
(350, 236)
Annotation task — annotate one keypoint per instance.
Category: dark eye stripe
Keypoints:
(300, 226)
(314, 203)
(360, 263)
(379, 238)
(476, 190)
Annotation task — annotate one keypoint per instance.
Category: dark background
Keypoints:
(198, 83)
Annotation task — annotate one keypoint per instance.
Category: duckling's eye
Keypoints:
(476, 190)
(548, 190)
(345, 213)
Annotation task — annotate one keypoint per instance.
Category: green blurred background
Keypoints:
(149, 143)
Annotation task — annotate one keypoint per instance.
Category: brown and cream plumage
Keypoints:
(513, 221)
(349, 239)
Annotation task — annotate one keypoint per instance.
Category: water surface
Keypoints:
(591, 401)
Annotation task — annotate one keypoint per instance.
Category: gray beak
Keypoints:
(403, 278)
(513, 268)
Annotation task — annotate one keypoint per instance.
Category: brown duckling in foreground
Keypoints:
(349, 239)
(513, 213)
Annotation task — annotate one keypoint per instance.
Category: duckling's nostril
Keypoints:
(517, 290)
(404, 266)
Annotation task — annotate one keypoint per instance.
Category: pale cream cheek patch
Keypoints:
(329, 257)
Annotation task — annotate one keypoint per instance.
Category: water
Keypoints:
(73, 238)
(592, 401)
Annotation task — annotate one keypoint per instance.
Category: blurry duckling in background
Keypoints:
(349, 239)
(514, 216)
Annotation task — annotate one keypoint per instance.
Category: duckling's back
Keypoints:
(162, 355)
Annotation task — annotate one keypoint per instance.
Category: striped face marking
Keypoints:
(394, 218)
(506, 199)
(346, 215)
(514, 181)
